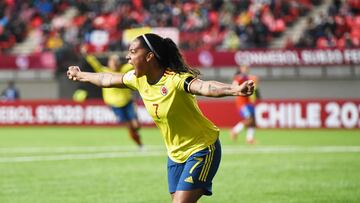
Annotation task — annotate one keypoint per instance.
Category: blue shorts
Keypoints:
(197, 172)
(125, 113)
(247, 111)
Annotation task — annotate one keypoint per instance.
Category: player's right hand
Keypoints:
(247, 88)
(72, 72)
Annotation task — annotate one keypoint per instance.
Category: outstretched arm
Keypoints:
(99, 79)
(218, 89)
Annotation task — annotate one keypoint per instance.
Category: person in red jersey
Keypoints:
(245, 106)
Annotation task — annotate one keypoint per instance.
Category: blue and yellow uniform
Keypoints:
(119, 99)
(191, 139)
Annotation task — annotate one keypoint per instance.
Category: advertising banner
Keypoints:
(308, 114)
(62, 112)
(269, 113)
(199, 59)
(274, 57)
(290, 113)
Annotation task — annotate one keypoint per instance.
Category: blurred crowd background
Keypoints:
(68, 29)
(215, 25)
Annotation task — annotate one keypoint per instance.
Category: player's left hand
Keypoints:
(247, 88)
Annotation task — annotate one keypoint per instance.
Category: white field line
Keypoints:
(75, 149)
(157, 151)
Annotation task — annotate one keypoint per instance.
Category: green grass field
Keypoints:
(94, 164)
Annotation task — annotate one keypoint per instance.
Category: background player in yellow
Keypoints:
(119, 100)
(168, 87)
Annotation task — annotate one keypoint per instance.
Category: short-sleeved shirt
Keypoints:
(176, 113)
(116, 97)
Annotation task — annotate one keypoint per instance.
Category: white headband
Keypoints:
(151, 48)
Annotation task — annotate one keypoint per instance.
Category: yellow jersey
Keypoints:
(116, 97)
(183, 126)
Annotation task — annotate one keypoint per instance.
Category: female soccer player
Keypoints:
(167, 86)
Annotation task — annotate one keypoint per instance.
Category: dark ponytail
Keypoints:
(167, 53)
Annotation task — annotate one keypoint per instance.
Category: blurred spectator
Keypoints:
(338, 28)
(54, 41)
(231, 41)
(10, 93)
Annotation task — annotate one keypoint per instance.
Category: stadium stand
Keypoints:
(217, 25)
(65, 27)
(30, 24)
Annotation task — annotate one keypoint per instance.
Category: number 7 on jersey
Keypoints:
(156, 110)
